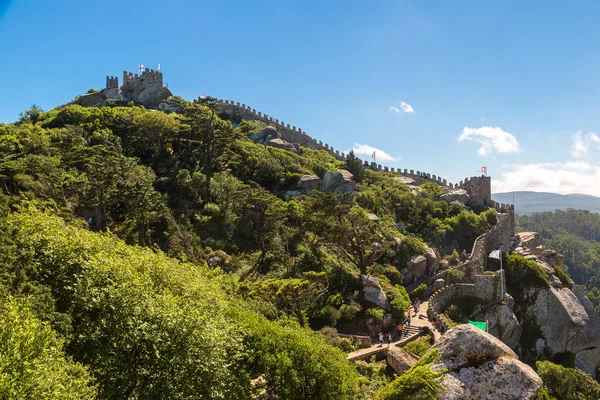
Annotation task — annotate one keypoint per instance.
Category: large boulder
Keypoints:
(417, 268)
(262, 135)
(560, 317)
(433, 264)
(460, 195)
(308, 183)
(374, 293)
(552, 258)
(400, 360)
(504, 378)
(529, 240)
(282, 144)
(464, 343)
(170, 106)
(91, 99)
(479, 366)
(339, 182)
(406, 180)
(152, 96)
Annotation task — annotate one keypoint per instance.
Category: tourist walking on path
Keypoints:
(389, 338)
(380, 339)
(408, 320)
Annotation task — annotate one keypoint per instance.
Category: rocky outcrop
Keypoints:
(92, 99)
(529, 239)
(559, 315)
(400, 360)
(170, 106)
(479, 366)
(374, 293)
(459, 195)
(339, 182)
(282, 144)
(502, 323)
(261, 136)
(308, 183)
(417, 268)
(150, 96)
(504, 378)
(433, 264)
(406, 180)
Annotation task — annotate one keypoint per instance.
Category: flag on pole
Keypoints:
(495, 254)
(373, 155)
(158, 66)
(484, 170)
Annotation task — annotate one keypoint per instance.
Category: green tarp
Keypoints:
(480, 325)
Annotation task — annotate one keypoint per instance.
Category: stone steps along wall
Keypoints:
(485, 287)
(297, 135)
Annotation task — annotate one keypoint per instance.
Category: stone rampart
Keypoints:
(479, 188)
(136, 83)
(485, 288)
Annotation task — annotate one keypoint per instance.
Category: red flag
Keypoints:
(484, 170)
(373, 155)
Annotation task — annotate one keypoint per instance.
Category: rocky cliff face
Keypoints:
(561, 320)
(479, 366)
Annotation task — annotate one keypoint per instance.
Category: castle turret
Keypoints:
(112, 82)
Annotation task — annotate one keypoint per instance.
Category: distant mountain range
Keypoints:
(530, 202)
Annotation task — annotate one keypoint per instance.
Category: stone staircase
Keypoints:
(407, 332)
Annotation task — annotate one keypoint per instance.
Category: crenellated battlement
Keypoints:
(479, 188)
(112, 82)
(136, 83)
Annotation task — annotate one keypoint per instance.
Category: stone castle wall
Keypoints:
(477, 187)
(136, 83)
(485, 288)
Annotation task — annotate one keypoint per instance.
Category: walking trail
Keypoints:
(408, 334)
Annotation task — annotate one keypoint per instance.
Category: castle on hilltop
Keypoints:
(147, 89)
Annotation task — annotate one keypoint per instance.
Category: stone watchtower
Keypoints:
(147, 88)
(112, 87)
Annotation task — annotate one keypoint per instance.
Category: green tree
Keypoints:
(32, 362)
(355, 166)
(567, 383)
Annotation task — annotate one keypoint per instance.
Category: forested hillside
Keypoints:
(576, 235)
(156, 255)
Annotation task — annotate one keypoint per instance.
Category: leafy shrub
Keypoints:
(564, 278)
(418, 382)
(32, 361)
(522, 273)
(562, 383)
(455, 275)
(454, 257)
(399, 300)
(419, 290)
(376, 313)
(420, 346)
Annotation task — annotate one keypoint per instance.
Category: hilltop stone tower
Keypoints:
(147, 88)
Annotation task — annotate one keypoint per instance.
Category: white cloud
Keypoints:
(491, 139)
(367, 150)
(581, 144)
(563, 178)
(402, 108)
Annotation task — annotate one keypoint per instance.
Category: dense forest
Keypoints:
(153, 255)
(576, 235)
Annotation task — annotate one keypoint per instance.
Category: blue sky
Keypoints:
(440, 86)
